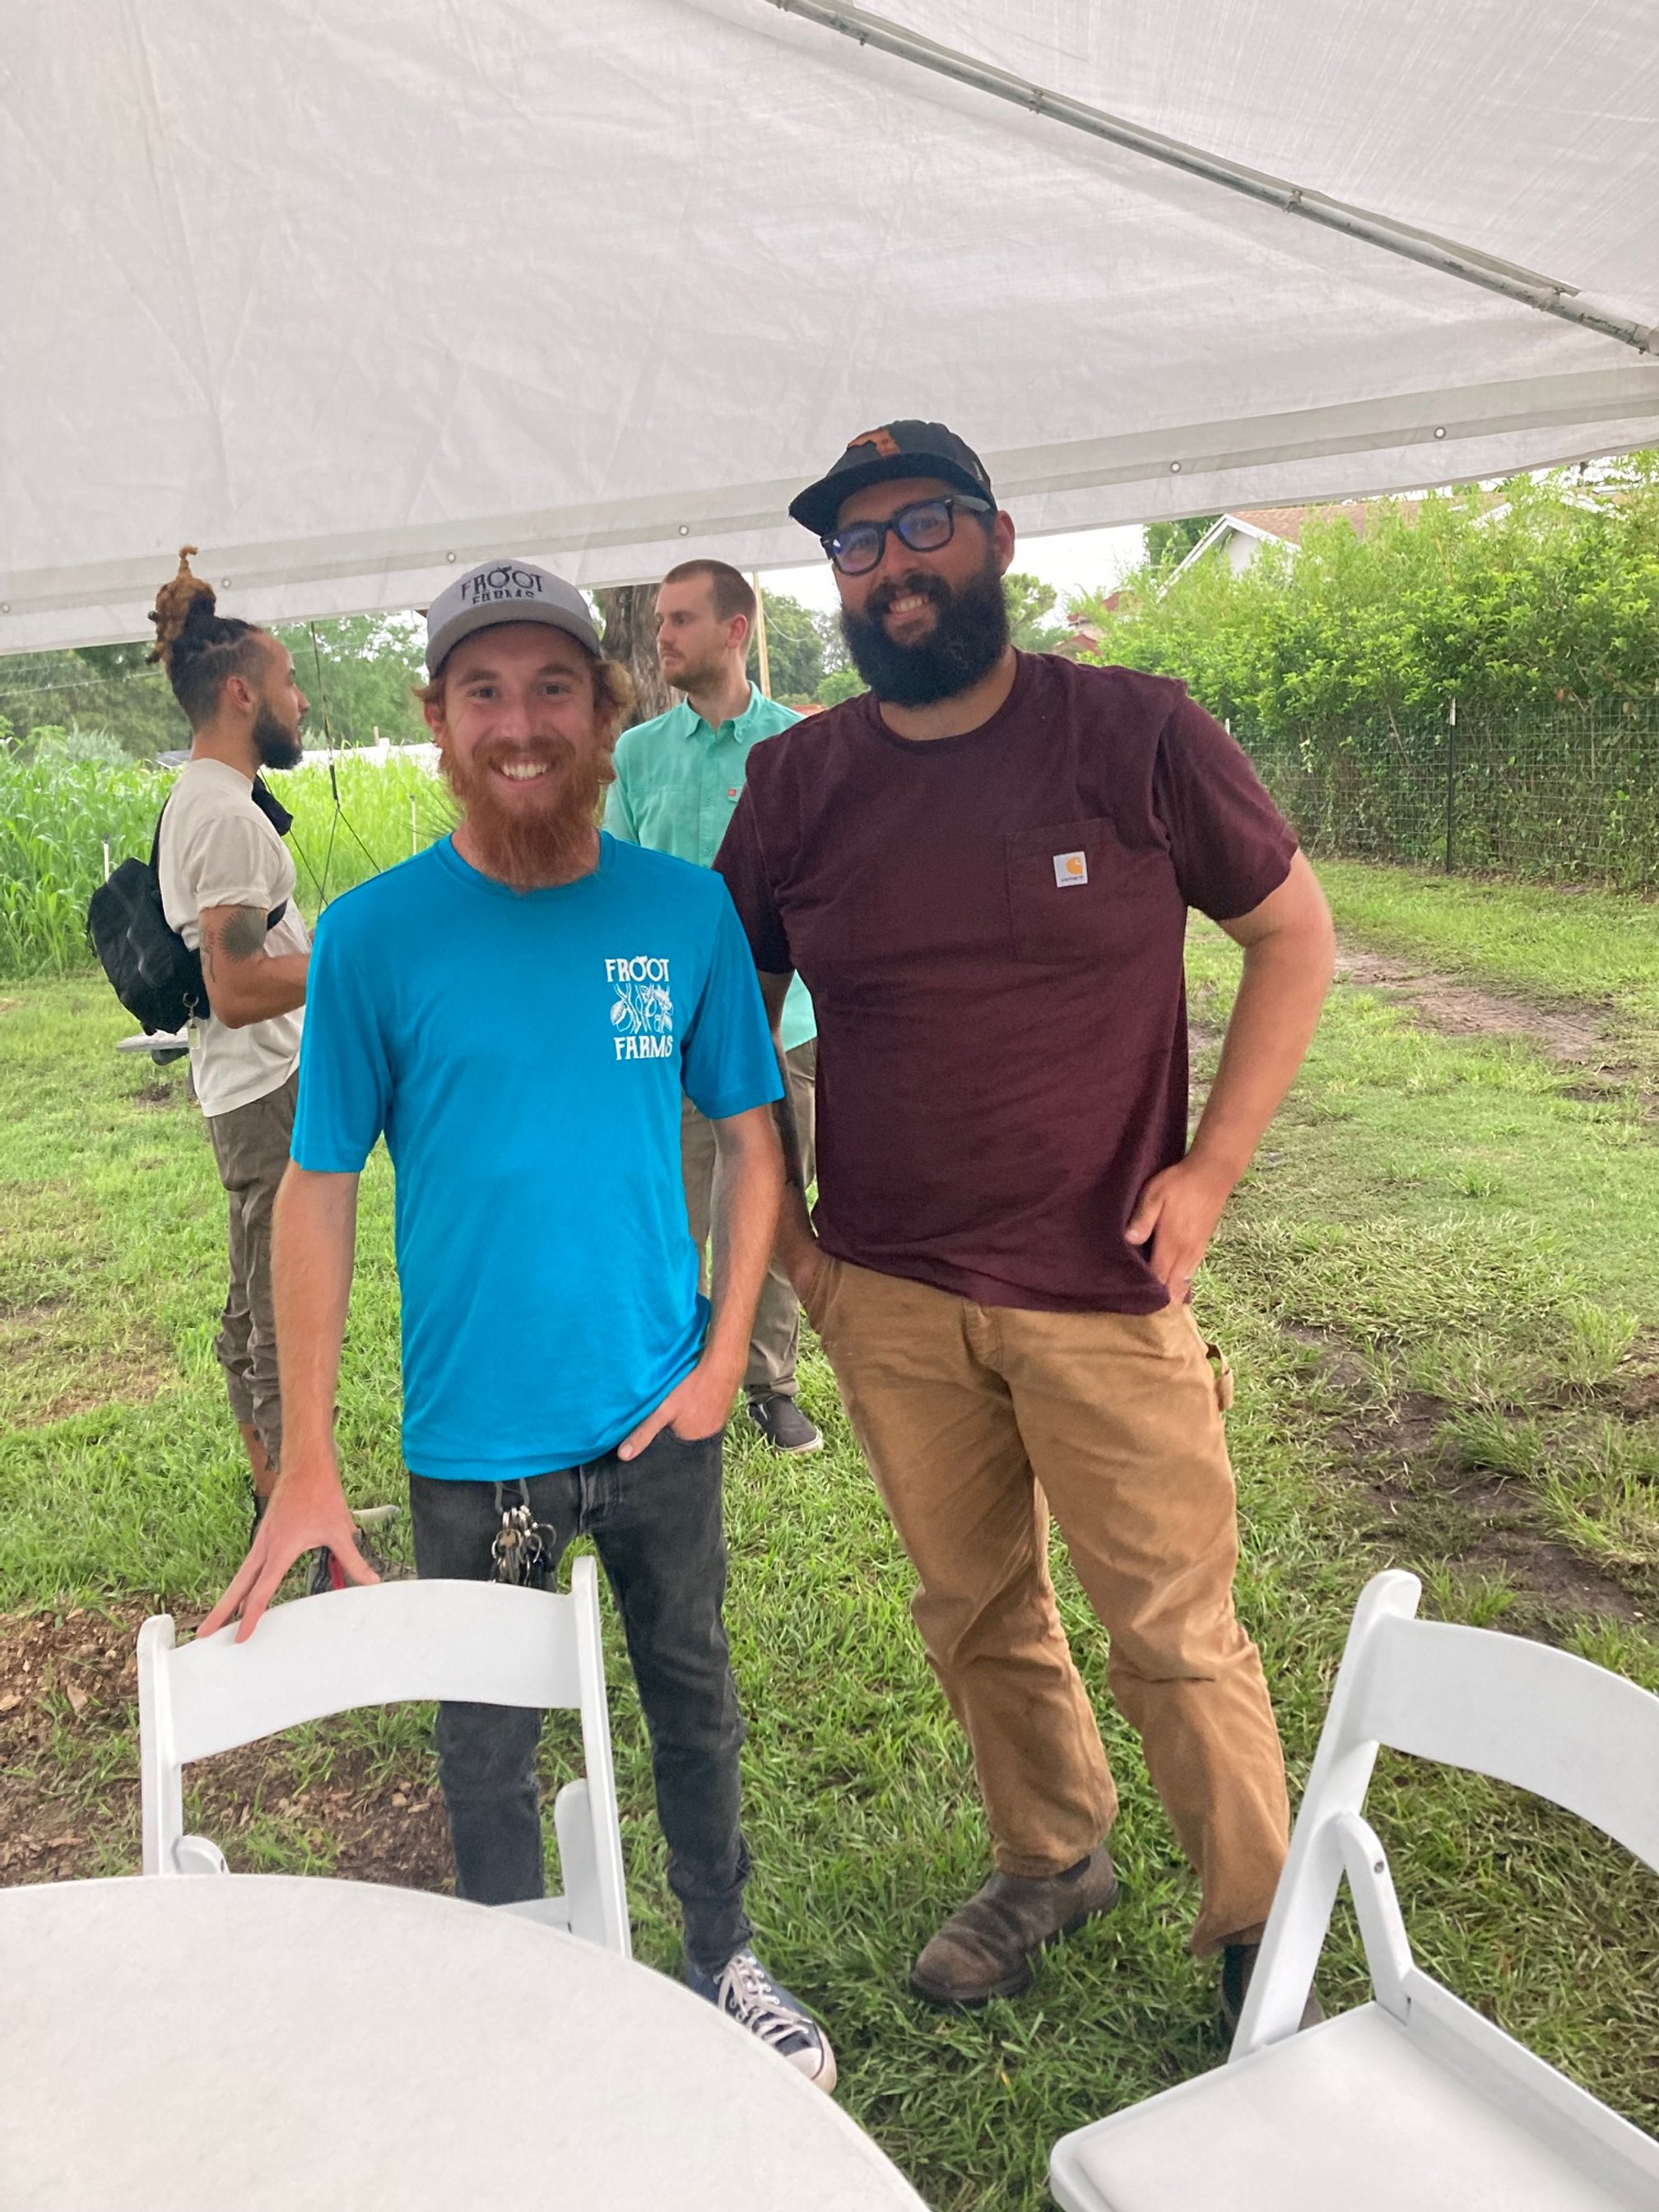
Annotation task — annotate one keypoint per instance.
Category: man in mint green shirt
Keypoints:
(678, 779)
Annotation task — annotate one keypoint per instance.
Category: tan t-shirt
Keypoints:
(217, 849)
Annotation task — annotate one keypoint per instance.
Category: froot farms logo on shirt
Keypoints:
(642, 1013)
(1071, 868)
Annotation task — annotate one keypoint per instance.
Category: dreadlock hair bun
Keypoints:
(174, 603)
(198, 647)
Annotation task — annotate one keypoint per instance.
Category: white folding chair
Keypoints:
(1414, 2102)
(482, 1643)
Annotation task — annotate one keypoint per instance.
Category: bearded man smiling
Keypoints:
(518, 1010)
(982, 870)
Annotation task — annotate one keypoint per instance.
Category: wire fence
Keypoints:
(1566, 794)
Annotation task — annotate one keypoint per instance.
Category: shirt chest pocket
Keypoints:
(1076, 893)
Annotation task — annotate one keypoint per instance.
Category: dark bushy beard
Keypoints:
(969, 637)
(532, 847)
(277, 745)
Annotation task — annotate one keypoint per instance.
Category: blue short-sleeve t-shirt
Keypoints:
(524, 1054)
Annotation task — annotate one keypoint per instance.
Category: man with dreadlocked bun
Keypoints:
(227, 889)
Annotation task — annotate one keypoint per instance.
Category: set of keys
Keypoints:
(519, 1555)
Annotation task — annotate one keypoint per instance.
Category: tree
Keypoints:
(628, 614)
(104, 688)
(842, 683)
(362, 667)
(1168, 544)
(794, 648)
(359, 672)
(835, 654)
(1030, 603)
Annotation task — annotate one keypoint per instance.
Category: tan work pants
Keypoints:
(777, 1336)
(976, 1420)
(250, 1145)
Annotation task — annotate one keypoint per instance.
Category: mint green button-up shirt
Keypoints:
(677, 788)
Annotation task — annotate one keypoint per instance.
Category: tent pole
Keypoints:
(761, 653)
(1467, 263)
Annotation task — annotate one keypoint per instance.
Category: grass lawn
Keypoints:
(1440, 1289)
(1599, 949)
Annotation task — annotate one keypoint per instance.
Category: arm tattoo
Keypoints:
(244, 934)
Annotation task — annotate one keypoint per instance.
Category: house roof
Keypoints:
(1287, 523)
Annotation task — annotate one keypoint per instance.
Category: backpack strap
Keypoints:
(259, 794)
(272, 807)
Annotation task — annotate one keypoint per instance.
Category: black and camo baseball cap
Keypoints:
(906, 448)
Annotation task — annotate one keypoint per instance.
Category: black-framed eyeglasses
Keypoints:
(924, 526)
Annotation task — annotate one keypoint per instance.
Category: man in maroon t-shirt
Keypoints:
(982, 869)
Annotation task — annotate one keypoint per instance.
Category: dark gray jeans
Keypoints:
(656, 1524)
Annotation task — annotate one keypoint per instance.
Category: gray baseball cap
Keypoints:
(505, 591)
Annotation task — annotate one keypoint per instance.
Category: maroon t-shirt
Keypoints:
(991, 929)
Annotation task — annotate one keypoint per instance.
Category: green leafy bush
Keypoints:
(1535, 608)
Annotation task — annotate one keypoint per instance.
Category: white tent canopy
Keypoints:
(347, 295)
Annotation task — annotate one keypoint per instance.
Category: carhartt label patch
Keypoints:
(1070, 868)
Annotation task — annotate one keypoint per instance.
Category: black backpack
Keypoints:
(153, 972)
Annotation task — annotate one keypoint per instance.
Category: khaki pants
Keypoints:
(976, 1420)
(251, 1146)
(772, 1346)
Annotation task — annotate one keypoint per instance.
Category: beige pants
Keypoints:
(772, 1347)
(251, 1146)
(976, 1421)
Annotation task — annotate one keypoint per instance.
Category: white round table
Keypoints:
(262, 2041)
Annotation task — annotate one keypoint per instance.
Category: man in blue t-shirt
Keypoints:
(518, 1011)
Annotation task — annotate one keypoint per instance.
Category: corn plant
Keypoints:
(63, 820)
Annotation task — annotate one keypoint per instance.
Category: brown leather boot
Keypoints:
(985, 1949)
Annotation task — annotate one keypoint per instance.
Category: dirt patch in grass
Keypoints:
(70, 1340)
(57, 1360)
(1431, 1509)
(1558, 1583)
(1638, 1393)
(1574, 1035)
(160, 1093)
(69, 1774)
(1203, 1037)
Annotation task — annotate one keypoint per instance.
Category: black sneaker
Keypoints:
(327, 1574)
(1237, 1965)
(746, 1993)
(784, 1426)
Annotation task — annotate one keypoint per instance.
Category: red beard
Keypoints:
(531, 847)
